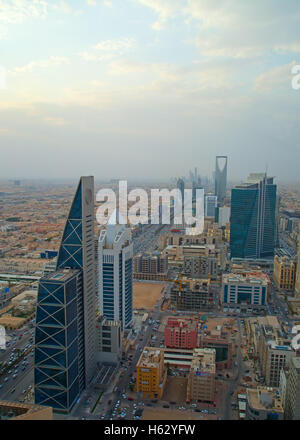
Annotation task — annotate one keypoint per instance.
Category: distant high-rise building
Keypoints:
(221, 178)
(297, 283)
(180, 186)
(210, 206)
(115, 271)
(252, 221)
(65, 340)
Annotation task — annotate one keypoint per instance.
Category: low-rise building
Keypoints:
(23, 411)
(264, 403)
(151, 373)
(285, 272)
(244, 291)
(201, 381)
(181, 333)
(193, 295)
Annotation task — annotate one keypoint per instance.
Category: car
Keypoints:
(13, 390)
(166, 406)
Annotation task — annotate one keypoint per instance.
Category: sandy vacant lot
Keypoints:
(145, 295)
(175, 390)
(174, 414)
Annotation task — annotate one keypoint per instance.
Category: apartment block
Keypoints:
(151, 373)
(285, 273)
(201, 381)
(181, 333)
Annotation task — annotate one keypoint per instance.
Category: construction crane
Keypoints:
(179, 282)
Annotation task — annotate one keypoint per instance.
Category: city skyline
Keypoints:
(143, 83)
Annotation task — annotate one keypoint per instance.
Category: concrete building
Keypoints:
(201, 385)
(201, 267)
(292, 402)
(285, 273)
(274, 353)
(151, 373)
(150, 266)
(194, 296)
(264, 404)
(181, 333)
(109, 341)
(23, 411)
(223, 216)
(115, 272)
(243, 291)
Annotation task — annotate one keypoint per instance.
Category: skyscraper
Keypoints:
(297, 283)
(180, 186)
(115, 259)
(66, 307)
(221, 178)
(252, 222)
(210, 205)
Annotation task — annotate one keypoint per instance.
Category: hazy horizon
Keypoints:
(148, 88)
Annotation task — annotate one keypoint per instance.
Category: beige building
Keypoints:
(285, 273)
(264, 403)
(22, 411)
(201, 382)
(274, 353)
(297, 282)
(151, 373)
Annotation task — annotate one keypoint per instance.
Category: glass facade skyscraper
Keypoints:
(221, 179)
(252, 221)
(57, 352)
(76, 254)
(115, 271)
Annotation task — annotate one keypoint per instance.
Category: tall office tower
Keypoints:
(115, 259)
(292, 396)
(221, 178)
(297, 283)
(58, 372)
(252, 221)
(210, 206)
(180, 186)
(56, 331)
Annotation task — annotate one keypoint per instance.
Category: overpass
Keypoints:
(19, 277)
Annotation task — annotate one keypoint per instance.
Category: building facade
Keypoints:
(201, 385)
(221, 178)
(65, 361)
(181, 333)
(244, 291)
(292, 402)
(285, 273)
(252, 221)
(151, 373)
(115, 271)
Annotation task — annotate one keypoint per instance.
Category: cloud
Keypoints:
(58, 122)
(278, 78)
(234, 28)
(107, 3)
(17, 11)
(108, 49)
(91, 2)
(115, 45)
(51, 61)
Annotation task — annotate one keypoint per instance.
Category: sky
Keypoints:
(148, 88)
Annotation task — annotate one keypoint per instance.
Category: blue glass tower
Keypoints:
(252, 222)
(57, 352)
(115, 271)
(77, 258)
